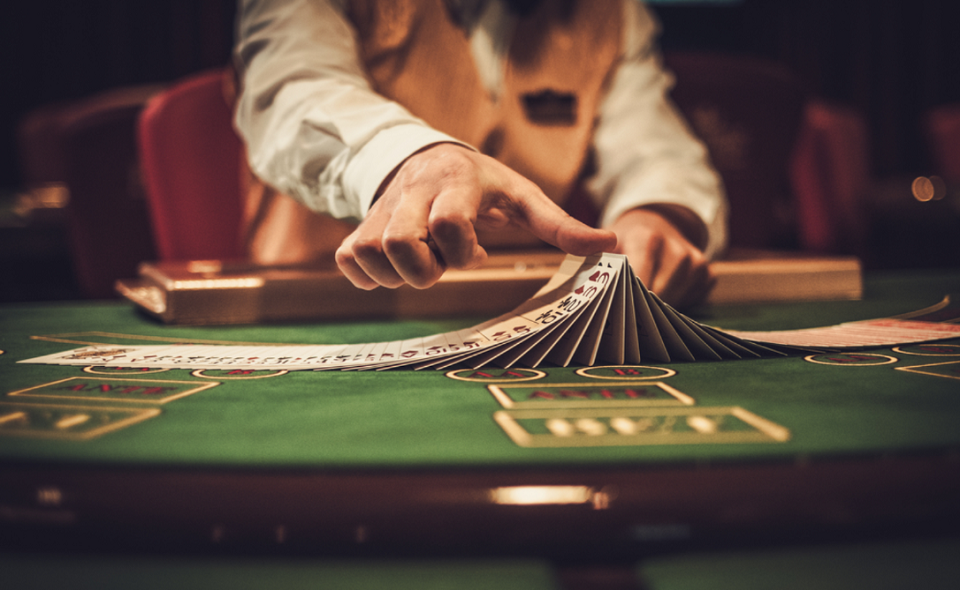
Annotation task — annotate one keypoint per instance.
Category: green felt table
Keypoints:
(424, 463)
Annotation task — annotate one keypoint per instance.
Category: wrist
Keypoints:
(682, 219)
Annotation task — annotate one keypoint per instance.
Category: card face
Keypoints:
(613, 343)
(513, 356)
(562, 353)
(870, 333)
(97, 355)
(648, 335)
(586, 353)
(556, 332)
(594, 290)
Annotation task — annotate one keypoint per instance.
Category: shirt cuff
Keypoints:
(382, 154)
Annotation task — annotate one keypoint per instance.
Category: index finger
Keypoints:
(547, 221)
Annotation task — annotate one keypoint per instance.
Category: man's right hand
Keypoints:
(426, 217)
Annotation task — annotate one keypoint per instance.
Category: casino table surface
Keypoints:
(601, 463)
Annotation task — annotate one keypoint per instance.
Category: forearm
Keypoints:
(312, 125)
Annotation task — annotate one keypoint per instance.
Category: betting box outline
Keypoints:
(273, 373)
(535, 375)
(588, 373)
(679, 398)
(955, 347)
(913, 369)
(885, 358)
(92, 369)
(19, 410)
(198, 387)
(765, 430)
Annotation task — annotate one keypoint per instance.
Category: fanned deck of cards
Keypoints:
(594, 310)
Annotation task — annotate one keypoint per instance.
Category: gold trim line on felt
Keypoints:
(507, 402)
(889, 359)
(585, 372)
(274, 373)
(199, 386)
(537, 375)
(133, 371)
(766, 431)
(901, 351)
(913, 369)
(135, 415)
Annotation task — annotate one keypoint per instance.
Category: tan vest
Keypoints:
(560, 60)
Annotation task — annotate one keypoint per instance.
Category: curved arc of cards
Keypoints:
(562, 321)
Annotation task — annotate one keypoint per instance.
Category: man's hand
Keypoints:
(425, 218)
(662, 255)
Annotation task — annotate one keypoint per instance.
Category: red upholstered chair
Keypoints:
(830, 173)
(89, 146)
(942, 127)
(748, 112)
(794, 168)
(191, 159)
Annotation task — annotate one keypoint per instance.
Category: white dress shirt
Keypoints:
(316, 130)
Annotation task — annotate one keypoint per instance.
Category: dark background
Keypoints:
(56, 50)
(891, 60)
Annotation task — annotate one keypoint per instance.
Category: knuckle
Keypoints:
(449, 227)
(397, 244)
(366, 248)
(344, 256)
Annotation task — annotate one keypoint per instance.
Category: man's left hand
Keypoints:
(663, 256)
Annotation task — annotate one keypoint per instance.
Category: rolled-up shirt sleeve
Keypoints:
(646, 154)
(313, 126)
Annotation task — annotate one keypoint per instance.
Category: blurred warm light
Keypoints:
(52, 196)
(702, 424)
(939, 188)
(931, 188)
(205, 266)
(542, 495)
(240, 283)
